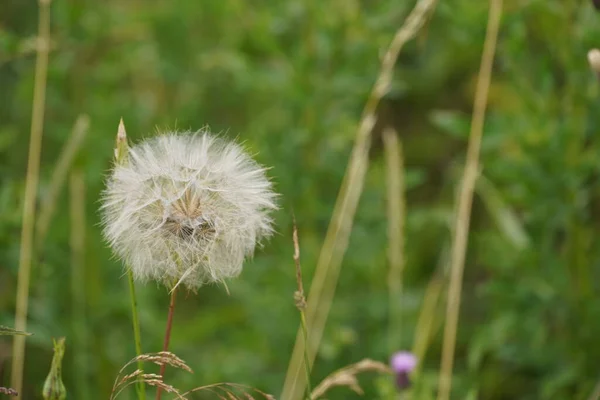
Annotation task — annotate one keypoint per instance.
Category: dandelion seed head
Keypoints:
(187, 209)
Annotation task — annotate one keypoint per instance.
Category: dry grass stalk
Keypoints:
(347, 376)
(31, 184)
(231, 389)
(59, 175)
(396, 212)
(300, 299)
(301, 305)
(162, 358)
(461, 229)
(327, 271)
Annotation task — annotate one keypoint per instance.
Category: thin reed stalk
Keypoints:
(334, 247)
(31, 184)
(60, 175)
(78, 298)
(301, 305)
(426, 321)
(465, 200)
(396, 212)
(167, 337)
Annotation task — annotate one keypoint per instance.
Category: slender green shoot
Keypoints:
(300, 301)
(121, 157)
(78, 294)
(465, 200)
(31, 183)
(396, 211)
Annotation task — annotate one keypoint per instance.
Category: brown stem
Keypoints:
(167, 337)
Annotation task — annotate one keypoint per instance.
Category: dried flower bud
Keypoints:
(121, 146)
(186, 208)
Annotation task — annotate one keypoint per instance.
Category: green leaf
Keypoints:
(6, 331)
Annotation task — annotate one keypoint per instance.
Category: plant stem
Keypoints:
(79, 300)
(301, 305)
(322, 289)
(167, 337)
(137, 337)
(33, 169)
(465, 200)
(396, 220)
(306, 359)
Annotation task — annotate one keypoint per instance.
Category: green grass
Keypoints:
(290, 80)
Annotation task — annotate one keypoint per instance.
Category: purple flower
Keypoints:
(402, 363)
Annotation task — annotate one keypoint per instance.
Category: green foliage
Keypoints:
(289, 79)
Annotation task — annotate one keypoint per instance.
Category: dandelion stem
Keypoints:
(167, 337)
(121, 157)
(137, 337)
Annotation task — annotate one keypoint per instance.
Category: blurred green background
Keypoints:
(290, 79)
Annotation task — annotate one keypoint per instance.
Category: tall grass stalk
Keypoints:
(121, 156)
(301, 305)
(78, 298)
(396, 212)
(60, 175)
(426, 321)
(33, 167)
(461, 228)
(334, 247)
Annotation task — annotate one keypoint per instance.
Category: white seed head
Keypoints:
(187, 209)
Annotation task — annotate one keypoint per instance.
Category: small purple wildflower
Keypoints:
(402, 363)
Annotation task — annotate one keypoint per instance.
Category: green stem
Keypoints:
(140, 388)
(306, 358)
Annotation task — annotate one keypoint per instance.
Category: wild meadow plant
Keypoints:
(185, 209)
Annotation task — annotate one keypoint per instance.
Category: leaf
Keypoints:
(6, 331)
(506, 219)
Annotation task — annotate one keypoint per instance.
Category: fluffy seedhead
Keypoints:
(187, 209)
